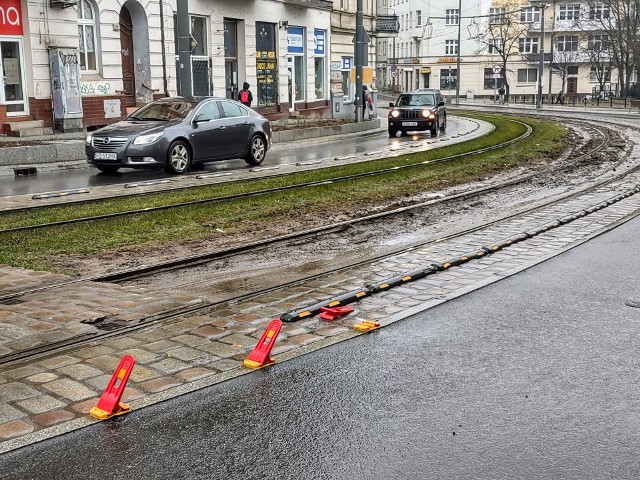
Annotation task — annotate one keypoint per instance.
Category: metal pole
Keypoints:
(541, 63)
(164, 53)
(458, 62)
(393, 74)
(359, 50)
(184, 48)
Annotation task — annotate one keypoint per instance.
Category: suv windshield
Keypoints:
(416, 100)
(166, 111)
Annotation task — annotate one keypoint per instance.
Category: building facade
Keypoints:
(497, 44)
(82, 63)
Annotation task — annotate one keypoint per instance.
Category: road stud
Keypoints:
(366, 326)
(109, 404)
(260, 357)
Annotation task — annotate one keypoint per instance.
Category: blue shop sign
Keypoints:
(318, 41)
(295, 40)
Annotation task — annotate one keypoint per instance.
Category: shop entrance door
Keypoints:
(126, 52)
(572, 86)
(292, 84)
(12, 93)
(231, 79)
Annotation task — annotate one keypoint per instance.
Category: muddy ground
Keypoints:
(292, 260)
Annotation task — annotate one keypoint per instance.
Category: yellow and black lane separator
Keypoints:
(61, 193)
(366, 326)
(416, 274)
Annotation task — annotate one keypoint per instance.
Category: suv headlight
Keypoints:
(89, 138)
(147, 139)
(395, 113)
(428, 114)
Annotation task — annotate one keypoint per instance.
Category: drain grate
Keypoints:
(25, 172)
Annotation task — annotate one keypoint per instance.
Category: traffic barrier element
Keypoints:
(260, 356)
(333, 313)
(62, 193)
(310, 311)
(109, 404)
(366, 326)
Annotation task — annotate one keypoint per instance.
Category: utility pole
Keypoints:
(458, 60)
(184, 48)
(359, 60)
(542, 7)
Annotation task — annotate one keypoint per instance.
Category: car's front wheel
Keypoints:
(178, 158)
(257, 151)
(434, 130)
(392, 132)
(108, 168)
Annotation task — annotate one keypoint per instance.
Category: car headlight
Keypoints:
(428, 114)
(89, 138)
(395, 113)
(147, 139)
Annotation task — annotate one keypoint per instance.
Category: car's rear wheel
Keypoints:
(443, 128)
(257, 151)
(178, 158)
(392, 132)
(108, 168)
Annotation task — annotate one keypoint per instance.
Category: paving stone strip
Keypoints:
(52, 395)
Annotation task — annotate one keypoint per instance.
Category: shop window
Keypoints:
(527, 75)
(87, 36)
(319, 63)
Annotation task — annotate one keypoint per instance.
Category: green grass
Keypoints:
(38, 248)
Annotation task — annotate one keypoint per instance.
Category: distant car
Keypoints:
(179, 132)
(418, 111)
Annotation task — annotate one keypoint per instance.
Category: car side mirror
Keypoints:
(201, 118)
(391, 104)
(441, 104)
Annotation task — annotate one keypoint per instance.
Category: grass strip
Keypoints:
(264, 215)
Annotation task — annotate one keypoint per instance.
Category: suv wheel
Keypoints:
(392, 132)
(443, 128)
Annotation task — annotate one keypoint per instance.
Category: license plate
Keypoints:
(105, 156)
(409, 124)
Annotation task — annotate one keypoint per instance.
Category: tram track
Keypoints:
(107, 327)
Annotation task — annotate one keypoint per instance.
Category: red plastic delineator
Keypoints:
(259, 357)
(109, 404)
(335, 312)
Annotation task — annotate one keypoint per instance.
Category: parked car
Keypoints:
(179, 132)
(418, 111)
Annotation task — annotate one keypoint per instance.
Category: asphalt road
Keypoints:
(280, 154)
(532, 377)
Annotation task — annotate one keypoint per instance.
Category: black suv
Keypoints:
(418, 111)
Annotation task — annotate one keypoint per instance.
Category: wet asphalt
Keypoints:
(280, 154)
(531, 377)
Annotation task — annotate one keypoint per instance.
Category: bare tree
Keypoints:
(620, 21)
(561, 63)
(502, 32)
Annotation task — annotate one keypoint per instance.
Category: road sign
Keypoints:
(497, 69)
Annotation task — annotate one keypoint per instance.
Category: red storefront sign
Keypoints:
(10, 17)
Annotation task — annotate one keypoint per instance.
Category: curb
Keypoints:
(69, 154)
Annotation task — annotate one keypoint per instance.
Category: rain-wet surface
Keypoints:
(531, 377)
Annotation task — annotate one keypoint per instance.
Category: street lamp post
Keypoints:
(458, 59)
(541, 62)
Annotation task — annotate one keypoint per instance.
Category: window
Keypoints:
(496, 46)
(598, 42)
(566, 43)
(448, 79)
(199, 34)
(572, 70)
(528, 45)
(346, 75)
(452, 17)
(497, 16)
(87, 36)
(570, 11)
(319, 63)
(451, 47)
(600, 73)
(232, 110)
(490, 82)
(210, 110)
(530, 14)
(527, 75)
(599, 11)
(418, 17)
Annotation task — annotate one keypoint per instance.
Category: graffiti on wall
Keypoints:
(96, 88)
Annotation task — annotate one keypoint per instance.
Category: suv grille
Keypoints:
(108, 144)
(411, 114)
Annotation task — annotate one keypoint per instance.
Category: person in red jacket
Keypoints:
(245, 95)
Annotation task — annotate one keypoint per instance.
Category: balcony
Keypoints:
(387, 24)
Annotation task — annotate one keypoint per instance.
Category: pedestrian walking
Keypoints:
(501, 92)
(561, 98)
(245, 95)
(365, 100)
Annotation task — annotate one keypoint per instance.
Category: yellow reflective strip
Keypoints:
(304, 314)
(361, 294)
(406, 278)
(384, 285)
(334, 303)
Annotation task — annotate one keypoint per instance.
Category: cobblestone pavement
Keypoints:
(52, 394)
(472, 129)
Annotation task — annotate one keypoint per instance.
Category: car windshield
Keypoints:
(163, 111)
(422, 100)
